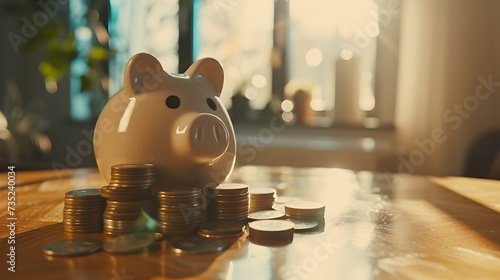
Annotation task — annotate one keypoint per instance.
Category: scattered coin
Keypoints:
(271, 232)
(128, 243)
(266, 215)
(221, 229)
(198, 245)
(73, 247)
(303, 225)
(307, 210)
(286, 199)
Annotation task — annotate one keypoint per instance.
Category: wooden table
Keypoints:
(381, 226)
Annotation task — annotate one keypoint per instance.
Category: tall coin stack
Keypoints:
(83, 211)
(306, 210)
(261, 199)
(128, 194)
(227, 202)
(180, 212)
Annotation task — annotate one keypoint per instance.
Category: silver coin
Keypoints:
(129, 242)
(73, 247)
(302, 225)
(198, 245)
(266, 215)
(286, 199)
(83, 193)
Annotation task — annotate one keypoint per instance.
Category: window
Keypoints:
(325, 59)
(239, 34)
(143, 26)
(327, 51)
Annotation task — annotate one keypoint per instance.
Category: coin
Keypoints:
(179, 211)
(82, 193)
(126, 204)
(73, 247)
(286, 199)
(83, 211)
(198, 245)
(303, 225)
(305, 206)
(221, 229)
(228, 189)
(133, 167)
(261, 198)
(279, 207)
(261, 191)
(228, 202)
(129, 242)
(271, 232)
(271, 226)
(306, 210)
(266, 215)
(178, 193)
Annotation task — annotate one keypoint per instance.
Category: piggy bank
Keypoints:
(174, 121)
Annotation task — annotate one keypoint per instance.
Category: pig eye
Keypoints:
(211, 104)
(173, 102)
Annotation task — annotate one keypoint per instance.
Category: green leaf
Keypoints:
(98, 53)
(51, 70)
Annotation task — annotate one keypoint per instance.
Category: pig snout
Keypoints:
(202, 138)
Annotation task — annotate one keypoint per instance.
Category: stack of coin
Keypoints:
(271, 232)
(306, 210)
(180, 211)
(128, 194)
(83, 211)
(227, 202)
(261, 199)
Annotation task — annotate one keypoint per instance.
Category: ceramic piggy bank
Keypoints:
(174, 121)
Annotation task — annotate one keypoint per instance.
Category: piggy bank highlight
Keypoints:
(174, 121)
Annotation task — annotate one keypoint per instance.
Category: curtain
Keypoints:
(449, 82)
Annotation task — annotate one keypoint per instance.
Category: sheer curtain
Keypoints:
(449, 82)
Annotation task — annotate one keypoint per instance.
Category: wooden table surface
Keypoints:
(378, 226)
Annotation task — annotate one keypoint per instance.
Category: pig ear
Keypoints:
(140, 74)
(210, 69)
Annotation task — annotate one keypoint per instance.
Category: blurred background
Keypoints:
(407, 86)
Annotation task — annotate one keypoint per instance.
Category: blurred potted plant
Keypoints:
(21, 130)
(53, 36)
(57, 39)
